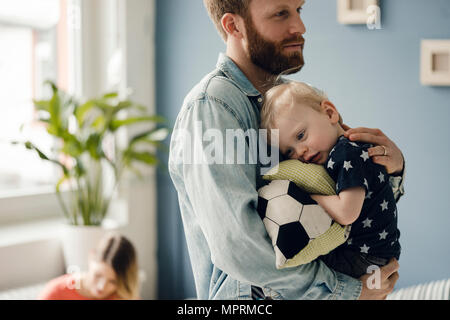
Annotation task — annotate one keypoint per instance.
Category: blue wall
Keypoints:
(372, 76)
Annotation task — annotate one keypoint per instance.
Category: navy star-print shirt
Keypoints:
(375, 231)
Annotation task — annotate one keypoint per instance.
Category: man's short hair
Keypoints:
(218, 8)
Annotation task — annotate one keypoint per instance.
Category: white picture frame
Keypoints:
(356, 12)
(435, 62)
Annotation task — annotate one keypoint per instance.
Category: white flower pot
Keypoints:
(78, 241)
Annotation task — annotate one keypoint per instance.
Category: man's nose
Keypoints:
(297, 26)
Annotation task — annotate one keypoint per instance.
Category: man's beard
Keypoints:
(269, 56)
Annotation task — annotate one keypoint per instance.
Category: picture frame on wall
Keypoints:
(435, 62)
(358, 12)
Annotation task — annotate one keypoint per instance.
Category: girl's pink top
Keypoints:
(64, 288)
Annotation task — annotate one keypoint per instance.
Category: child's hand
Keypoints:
(385, 152)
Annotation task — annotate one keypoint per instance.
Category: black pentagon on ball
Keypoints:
(299, 195)
(292, 238)
(262, 207)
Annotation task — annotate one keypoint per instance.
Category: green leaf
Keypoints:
(115, 124)
(60, 182)
(144, 156)
(93, 145)
(99, 122)
(53, 85)
(111, 95)
(152, 137)
(81, 111)
(79, 168)
(123, 105)
(42, 105)
(55, 111)
(41, 155)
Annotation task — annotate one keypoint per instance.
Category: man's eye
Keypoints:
(301, 135)
(281, 13)
(299, 10)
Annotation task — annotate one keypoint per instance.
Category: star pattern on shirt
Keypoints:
(331, 164)
(364, 155)
(347, 165)
(366, 183)
(367, 223)
(384, 205)
(364, 249)
(350, 167)
(383, 235)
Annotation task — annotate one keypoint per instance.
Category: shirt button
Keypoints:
(260, 100)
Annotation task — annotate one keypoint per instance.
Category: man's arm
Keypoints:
(345, 207)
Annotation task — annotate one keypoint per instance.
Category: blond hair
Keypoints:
(287, 95)
(118, 252)
(218, 8)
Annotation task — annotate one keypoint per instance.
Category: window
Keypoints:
(36, 44)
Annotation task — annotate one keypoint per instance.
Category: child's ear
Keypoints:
(331, 111)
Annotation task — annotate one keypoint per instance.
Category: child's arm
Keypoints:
(345, 207)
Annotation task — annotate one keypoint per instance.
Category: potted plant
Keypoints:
(86, 148)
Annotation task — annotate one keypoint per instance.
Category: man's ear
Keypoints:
(233, 25)
(331, 111)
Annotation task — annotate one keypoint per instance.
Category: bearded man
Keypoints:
(231, 254)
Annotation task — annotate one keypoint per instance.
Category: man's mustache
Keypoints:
(294, 39)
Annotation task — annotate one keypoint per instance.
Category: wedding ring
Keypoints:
(385, 151)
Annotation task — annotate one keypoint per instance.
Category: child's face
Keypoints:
(307, 134)
(102, 280)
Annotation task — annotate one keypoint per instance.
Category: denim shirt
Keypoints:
(228, 245)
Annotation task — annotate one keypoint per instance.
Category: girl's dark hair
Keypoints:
(118, 252)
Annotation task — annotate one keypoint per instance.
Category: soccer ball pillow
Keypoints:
(300, 230)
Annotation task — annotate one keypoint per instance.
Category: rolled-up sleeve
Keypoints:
(397, 184)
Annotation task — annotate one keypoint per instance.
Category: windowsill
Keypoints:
(19, 233)
(50, 227)
(26, 192)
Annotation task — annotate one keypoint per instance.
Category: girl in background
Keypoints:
(112, 275)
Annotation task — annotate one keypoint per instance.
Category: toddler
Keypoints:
(310, 130)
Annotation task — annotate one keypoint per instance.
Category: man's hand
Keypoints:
(384, 153)
(389, 276)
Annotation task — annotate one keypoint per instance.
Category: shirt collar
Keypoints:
(232, 71)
